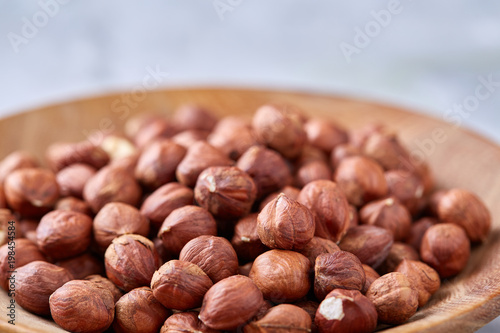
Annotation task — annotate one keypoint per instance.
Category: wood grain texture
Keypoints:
(463, 159)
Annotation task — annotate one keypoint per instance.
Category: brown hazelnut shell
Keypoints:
(116, 219)
(131, 261)
(394, 297)
(111, 184)
(219, 311)
(214, 255)
(184, 224)
(63, 234)
(69, 307)
(281, 275)
(329, 207)
(282, 317)
(180, 285)
(139, 311)
(338, 270)
(164, 200)
(369, 243)
(31, 192)
(285, 224)
(226, 192)
(35, 282)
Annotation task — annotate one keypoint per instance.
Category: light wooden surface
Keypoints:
(464, 160)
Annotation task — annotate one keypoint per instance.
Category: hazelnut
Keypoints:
(290, 191)
(185, 322)
(72, 179)
(267, 168)
(406, 187)
(188, 137)
(16, 160)
(233, 136)
(16, 255)
(318, 246)
(63, 234)
(127, 163)
(422, 277)
(385, 149)
(130, 261)
(315, 170)
(116, 219)
(329, 207)
(35, 282)
(388, 214)
(358, 136)
(117, 147)
(158, 129)
(198, 157)
(282, 276)
(285, 224)
(6, 222)
(157, 163)
(417, 231)
(74, 205)
(246, 241)
(466, 210)
(82, 306)
(164, 200)
(139, 311)
(139, 121)
(60, 155)
(324, 134)
(309, 154)
(446, 248)
(190, 116)
(282, 317)
(280, 128)
(361, 179)
(346, 311)
(31, 191)
(184, 224)
(369, 243)
(214, 255)
(107, 284)
(398, 252)
(230, 303)
(394, 297)
(338, 270)
(371, 275)
(342, 151)
(83, 265)
(111, 184)
(180, 285)
(226, 192)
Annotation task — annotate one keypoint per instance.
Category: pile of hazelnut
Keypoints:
(278, 223)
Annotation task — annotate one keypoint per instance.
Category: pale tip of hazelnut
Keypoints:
(245, 239)
(212, 186)
(419, 192)
(389, 202)
(37, 203)
(332, 308)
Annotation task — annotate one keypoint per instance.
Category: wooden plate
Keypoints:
(458, 158)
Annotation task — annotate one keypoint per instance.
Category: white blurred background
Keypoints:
(440, 58)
